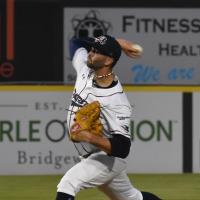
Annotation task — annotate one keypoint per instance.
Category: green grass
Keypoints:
(167, 186)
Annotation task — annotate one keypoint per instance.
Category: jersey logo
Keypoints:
(101, 40)
(77, 100)
(123, 117)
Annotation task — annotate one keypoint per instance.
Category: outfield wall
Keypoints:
(196, 132)
(33, 133)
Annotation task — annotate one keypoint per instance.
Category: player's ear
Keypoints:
(108, 61)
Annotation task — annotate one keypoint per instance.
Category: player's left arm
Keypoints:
(99, 141)
(117, 146)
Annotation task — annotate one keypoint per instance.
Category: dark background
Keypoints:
(38, 36)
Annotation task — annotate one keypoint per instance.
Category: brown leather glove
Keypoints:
(87, 118)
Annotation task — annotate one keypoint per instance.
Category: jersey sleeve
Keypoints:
(117, 119)
(120, 131)
(75, 44)
(122, 121)
(78, 50)
(79, 59)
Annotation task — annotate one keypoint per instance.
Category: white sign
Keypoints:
(196, 133)
(33, 137)
(169, 37)
(157, 130)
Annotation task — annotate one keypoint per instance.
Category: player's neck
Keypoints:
(104, 79)
(103, 75)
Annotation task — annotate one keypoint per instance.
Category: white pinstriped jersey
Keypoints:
(115, 107)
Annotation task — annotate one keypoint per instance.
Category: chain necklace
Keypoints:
(103, 76)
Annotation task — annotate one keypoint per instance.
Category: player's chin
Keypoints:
(89, 64)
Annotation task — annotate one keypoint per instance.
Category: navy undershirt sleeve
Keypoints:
(75, 44)
(120, 146)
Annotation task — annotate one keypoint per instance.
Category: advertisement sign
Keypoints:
(169, 37)
(157, 132)
(33, 134)
(196, 134)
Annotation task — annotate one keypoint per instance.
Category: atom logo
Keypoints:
(90, 25)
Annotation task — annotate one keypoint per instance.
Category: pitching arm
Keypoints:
(131, 49)
(75, 44)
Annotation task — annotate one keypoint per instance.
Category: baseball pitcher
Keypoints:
(98, 121)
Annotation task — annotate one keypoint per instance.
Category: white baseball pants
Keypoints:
(102, 171)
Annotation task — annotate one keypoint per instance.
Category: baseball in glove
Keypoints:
(87, 118)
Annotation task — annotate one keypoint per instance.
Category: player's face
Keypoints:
(96, 60)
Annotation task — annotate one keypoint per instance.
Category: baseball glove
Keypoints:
(87, 118)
